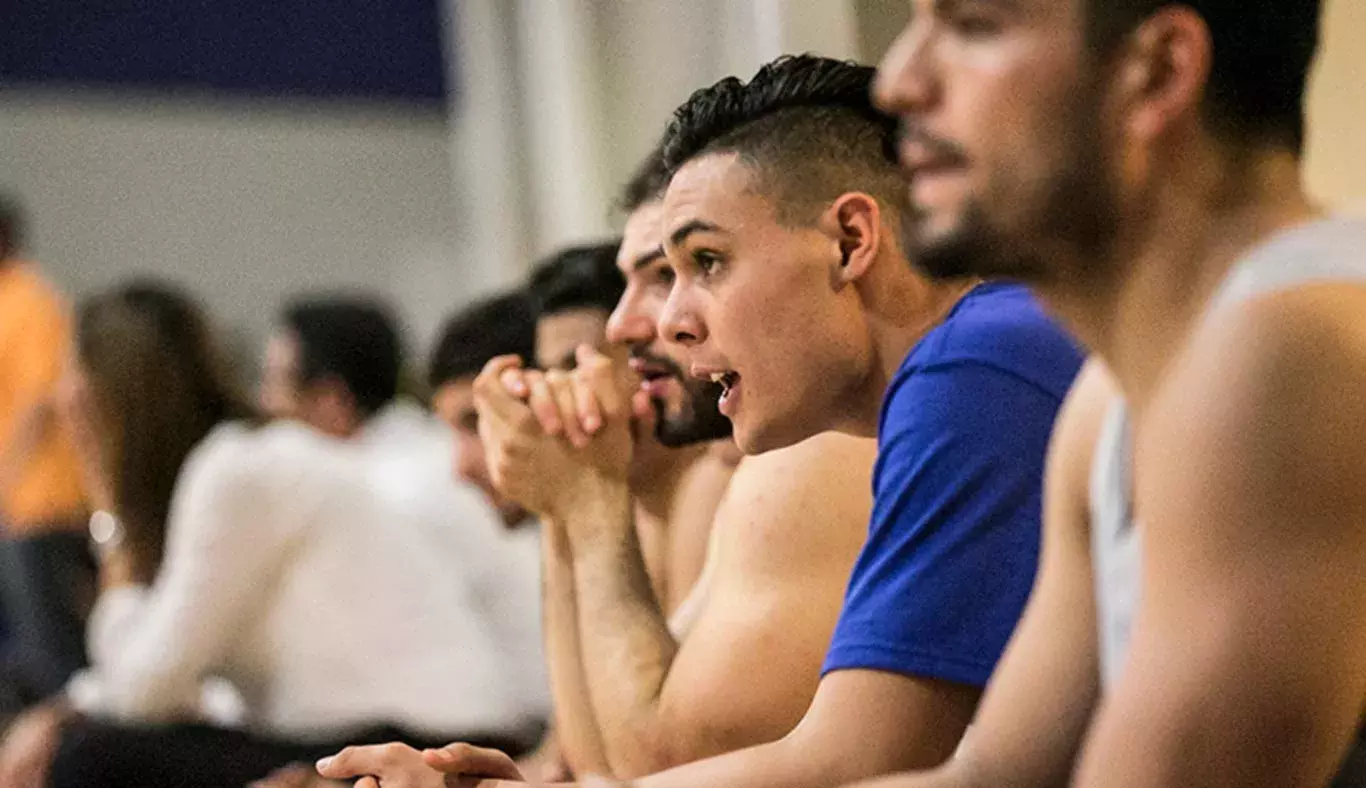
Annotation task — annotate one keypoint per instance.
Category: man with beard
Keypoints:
(636, 692)
(781, 228)
(1205, 546)
(674, 488)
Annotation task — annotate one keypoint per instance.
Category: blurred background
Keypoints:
(425, 149)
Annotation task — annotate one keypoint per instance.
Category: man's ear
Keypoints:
(855, 220)
(1165, 71)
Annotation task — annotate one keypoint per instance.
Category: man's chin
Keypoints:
(755, 439)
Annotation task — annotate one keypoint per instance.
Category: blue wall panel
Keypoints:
(383, 49)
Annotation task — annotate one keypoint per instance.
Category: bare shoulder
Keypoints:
(1264, 412)
(805, 505)
(1088, 401)
(1075, 435)
(827, 464)
(816, 454)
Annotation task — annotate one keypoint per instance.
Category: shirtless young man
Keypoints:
(782, 227)
(634, 690)
(1150, 190)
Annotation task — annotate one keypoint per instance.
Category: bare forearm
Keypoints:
(627, 646)
(576, 724)
(791, 762)
(951, 775)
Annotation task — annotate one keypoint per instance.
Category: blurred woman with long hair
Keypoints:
(143, 387)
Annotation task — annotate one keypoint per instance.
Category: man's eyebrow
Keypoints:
(677, 237)
(649, 257)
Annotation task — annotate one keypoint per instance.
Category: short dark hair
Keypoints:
(352, 339)
(1263, 54)
(581, 277)
(806, 124)
(11, 226)
(647, 183)
(502, 325)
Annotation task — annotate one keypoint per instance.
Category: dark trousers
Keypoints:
(96, 754)
(47, 584)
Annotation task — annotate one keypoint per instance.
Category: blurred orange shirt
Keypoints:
(44, 491)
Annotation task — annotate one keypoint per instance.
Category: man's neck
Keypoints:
(904, 306)
(1168, 266)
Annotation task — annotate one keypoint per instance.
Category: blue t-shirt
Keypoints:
(957, 492)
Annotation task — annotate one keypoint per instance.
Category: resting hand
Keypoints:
(473, 763)
(384, 766)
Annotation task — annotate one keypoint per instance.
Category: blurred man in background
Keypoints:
(46, 574)
(503, 325)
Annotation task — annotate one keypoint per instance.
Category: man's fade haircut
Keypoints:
(805, 125)
(647, 183)
(502, 325)
(1263, 52)
(352, 339)
(580, 277)
(11, 227)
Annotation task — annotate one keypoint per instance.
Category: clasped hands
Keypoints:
(553, 438)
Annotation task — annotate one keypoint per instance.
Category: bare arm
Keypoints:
(1035, 710)
(576, 725)
(857, 725)
(749, 665)
(1246, 665)
(690, 528)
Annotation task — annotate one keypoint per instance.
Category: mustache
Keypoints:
(641, 354)
(911, 131)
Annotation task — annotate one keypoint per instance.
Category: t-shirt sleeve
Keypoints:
(954, 540)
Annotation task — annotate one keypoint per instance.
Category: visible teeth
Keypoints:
(718, 377)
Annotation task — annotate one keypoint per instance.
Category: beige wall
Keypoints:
(1336, 168)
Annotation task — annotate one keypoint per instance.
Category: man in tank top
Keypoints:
(1200, 612)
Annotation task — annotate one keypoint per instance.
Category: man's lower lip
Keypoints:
(729, 401)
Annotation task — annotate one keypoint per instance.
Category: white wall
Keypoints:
(564, 98)
(242, 203)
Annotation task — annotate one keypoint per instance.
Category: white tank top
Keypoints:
(1324, 251)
